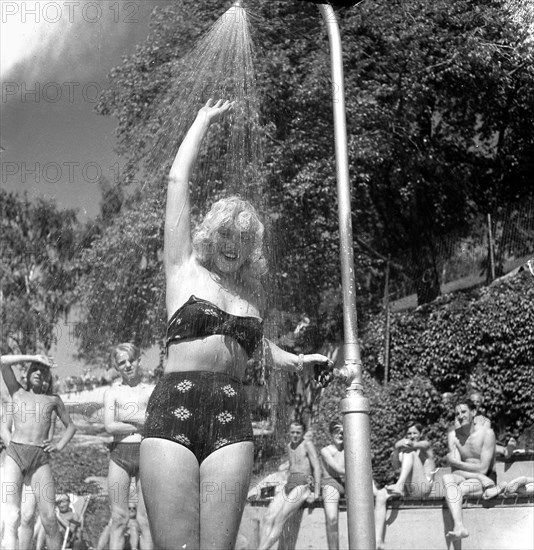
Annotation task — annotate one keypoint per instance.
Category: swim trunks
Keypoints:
(126, 455)
(296, 479)
(201, 410)
(199, 318)
(335, 482)
(29, 458)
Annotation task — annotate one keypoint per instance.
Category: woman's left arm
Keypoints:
(284, 360)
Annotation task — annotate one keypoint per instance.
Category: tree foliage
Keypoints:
(479, 340)
(37, 273)
(440, 117)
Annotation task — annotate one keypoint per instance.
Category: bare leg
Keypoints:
(142, 518)
(11, 496)
(103, 539)
(489, 489)
(455, 489)
(271, 514)
(119, 493)
(513, 486)
(407, 462)
(331, 515)
(133, 531)
(381, 498)
(42, 480)
(41, 537)
(171, 494)
(290, 504)
(28, 507)
(224, 482)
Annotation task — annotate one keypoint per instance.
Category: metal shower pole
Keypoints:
(355, 407)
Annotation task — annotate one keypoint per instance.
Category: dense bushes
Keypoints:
(477, 340)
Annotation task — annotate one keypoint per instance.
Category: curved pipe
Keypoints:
(355, 407)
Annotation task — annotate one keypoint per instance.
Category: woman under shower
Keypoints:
(197, 455)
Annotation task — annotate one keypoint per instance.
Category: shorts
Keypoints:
(297, 479)
(126, 455)
(201, 410)
(337, 483)
(29, 458)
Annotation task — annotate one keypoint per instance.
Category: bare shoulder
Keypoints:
(309, 446)
(489, 434)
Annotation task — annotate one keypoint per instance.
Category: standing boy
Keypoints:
(124, 417)
(27, 456)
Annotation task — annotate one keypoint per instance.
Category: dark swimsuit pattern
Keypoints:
(203, 410)
(198, 318)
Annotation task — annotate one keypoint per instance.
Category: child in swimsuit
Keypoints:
(333, 482)
(27, 456)
(303, 484)
(124, 416)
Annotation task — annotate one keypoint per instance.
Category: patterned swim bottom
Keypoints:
(200, 410)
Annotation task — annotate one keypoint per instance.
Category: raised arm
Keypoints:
(177, 243)
(7, 362)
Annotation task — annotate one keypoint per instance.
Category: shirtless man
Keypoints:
(27, 456)
(333, 482)
(124, 417)
(301, 486)
(471, 457)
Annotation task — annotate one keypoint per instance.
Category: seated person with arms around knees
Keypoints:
(333, 482)
(471, 457)
(303, 484)
(414, 456)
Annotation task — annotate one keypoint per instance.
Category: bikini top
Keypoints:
(200, 318)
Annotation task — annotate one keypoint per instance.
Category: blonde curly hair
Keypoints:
(242, 215)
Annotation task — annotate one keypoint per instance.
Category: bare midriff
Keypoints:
(215, 353)
(32, 420)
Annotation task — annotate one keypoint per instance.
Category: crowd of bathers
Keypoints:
(309, 475)
(312, 476)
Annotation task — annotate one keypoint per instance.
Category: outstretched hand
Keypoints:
(322, 368)
(214, 111)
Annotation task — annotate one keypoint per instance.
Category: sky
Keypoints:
(55, 59)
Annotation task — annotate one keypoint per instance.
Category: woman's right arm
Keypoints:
(177, 244)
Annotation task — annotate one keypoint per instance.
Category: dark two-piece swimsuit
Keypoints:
(203, 410)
